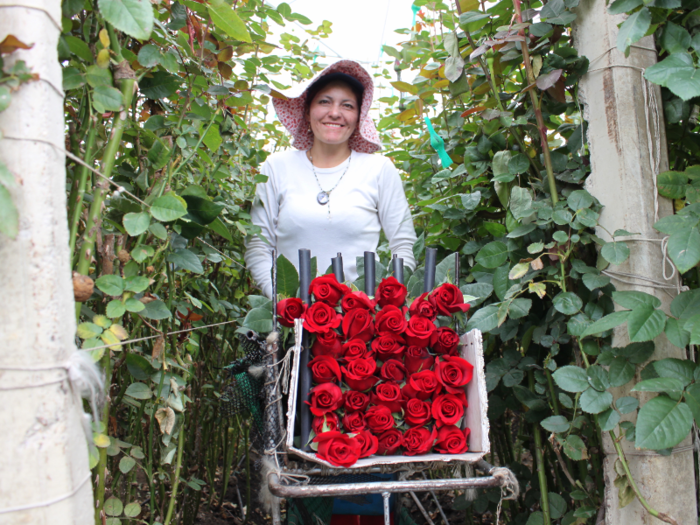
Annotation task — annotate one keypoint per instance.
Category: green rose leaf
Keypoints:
(662, 423)
(226, 19)
(133, 17)
(110, 284)
(567, 303)
(594, 402)
(645, 323)
(615, 252)
(571, 379)
(139, 391)
(186, 260)
(493, 255)
(136, 223)
(608, 322)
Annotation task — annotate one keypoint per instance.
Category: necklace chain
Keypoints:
(323, 197)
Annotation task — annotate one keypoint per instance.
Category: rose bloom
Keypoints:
(358, 323)
(357, 300)
(359, 374)
(330, 420)
(390, 319)
(447, 409)
(325, 398)
(356, 349)
(389, 395)
(447, 299)
(391, 292)
(421, 306)
(353, 422)
(451, 440)
(418, 440)
(368, 443)
(417, 359)
(327, 289)
(327, 343)
(420, 331)
(393, 370)
(454, 372)
(388, 346)
(417, 413)
(288, 310)
(338, 449)
(354, 401)
(446, 341)
(320, 318)
(422, 385)
(389, 442)
(325, 369)
(379, 419)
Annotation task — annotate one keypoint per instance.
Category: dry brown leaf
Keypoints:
(12, 43)
(166, 419)
(537, 264)
(158, 348)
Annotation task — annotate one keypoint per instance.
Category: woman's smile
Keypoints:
(333, 114)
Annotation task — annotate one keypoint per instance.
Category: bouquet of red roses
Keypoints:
(387, 380)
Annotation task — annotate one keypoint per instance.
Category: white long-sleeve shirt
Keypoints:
(368, 199)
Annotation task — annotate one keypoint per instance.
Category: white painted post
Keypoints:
(44, 456)
(627, 141)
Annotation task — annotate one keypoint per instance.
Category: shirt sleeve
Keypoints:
(395, 215)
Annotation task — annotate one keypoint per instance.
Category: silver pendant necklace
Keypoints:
(324, 196)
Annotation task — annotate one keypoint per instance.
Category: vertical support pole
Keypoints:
(387, 512)
(304, 372)
(370, 275)
(430, 262)
(397, 268)
(337, 265)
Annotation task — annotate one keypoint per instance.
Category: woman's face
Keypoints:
(333, 114)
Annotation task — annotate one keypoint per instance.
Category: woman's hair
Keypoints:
(334, 78)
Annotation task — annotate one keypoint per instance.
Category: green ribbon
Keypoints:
(415, 8)
(438, 145)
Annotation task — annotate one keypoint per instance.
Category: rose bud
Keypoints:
(379, 419)
(327, 289)
(454, 372)
(330, 420)
(420, 331)
(356, 349)
(390, 319)
(388, 346)
(451, 440)
(446, 341)
(417, 413)
(325, 398)
(447, 409)
(417, 358)
(327, 343)
(418, 440)
(358, 323)
(320, 318)
(368, 443)
(325, 369)
(393, 370)
(338, 449)
(359, 374)
(389, 442)
(421, 306)
(447, 299)
(288, 310)
(357, 300)
(389, 395)
(355, 401)
(391, 292)
(424, 384)
(353, 422)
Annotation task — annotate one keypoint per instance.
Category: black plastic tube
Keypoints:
(304, 372)
(430, 260)
(337, 264)
(369, 274)
(397, 268)
(457, 269)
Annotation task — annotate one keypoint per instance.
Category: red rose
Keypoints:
(393, 370)
(358, 323)
(325, 369)
(357, 300)
(418, 440)
(421, 306)
(389, 395)
(451, 440)
(390, 319)
(355, 401)
(338, 449)
(368, 443)
(327, 289)
(325, 398)
(417, 413)
(359, 374)
(388, 346)
(356, 349)
(379, 419)
(417, 358)
(447, 409)
(330, 420)
(420, 331)
(327, 343)
(422, 385)
(448, 299)
(446, 341)
(353, 422)
(391, 292)
(389, 442)
(288, 310)
(454, 372)
(320, 318)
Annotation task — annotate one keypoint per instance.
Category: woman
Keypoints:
(332, 195)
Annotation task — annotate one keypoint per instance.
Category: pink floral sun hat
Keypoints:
(291, 110)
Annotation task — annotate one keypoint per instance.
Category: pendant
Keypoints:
(322, 198)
